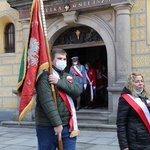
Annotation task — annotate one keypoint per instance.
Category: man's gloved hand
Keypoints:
(94, 87)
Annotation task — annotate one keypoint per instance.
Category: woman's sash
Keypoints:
(77, 71)
(140, 108)
(91, 87)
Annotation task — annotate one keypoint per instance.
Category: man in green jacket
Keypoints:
(56, 120)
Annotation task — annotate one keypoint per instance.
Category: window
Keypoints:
(9, 38)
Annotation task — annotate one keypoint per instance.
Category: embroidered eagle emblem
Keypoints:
(33, 51)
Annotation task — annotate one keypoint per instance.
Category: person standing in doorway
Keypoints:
(79, 73)
(91, 86)
(99, 83)
(133, 115)
(105, 85)
(56, 120)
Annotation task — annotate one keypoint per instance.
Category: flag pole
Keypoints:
(60, 145)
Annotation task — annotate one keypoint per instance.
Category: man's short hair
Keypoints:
(56, 51)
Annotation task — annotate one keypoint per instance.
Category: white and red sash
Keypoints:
(70, 105)
(73, 120)
(77, 71)
(140, 108)
(91, 88)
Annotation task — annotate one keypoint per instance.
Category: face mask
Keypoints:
(138, 91)
(61, 64)
(87, 68)
(75, 63)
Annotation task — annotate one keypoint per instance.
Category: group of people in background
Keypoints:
(93, 81)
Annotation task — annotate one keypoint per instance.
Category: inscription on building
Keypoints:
(72, 6)
(79, 5)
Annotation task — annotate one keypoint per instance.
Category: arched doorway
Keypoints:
(57, 27)
(87, 44)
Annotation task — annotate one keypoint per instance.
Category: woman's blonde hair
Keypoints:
(130, 84)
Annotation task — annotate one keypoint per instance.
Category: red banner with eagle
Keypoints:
(34, 61)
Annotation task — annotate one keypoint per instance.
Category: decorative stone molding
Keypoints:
(70, 17)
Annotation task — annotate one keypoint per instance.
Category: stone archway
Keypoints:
(118, 51)
(59, 26)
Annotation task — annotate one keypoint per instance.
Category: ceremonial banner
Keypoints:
(34, 61)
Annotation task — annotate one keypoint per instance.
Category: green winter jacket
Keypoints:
(46, 113)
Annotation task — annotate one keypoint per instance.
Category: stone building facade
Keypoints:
(122, 42)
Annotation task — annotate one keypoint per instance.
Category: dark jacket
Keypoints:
(46, 113)
(131, 131)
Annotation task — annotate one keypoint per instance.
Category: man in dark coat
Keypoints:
(56, 119)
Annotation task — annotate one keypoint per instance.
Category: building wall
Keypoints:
(9, 62)
(140, 37)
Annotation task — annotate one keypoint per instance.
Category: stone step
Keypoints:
(93, 112)
(92, 120)
(88, 119)
(16, 124)
(82, 126)
(97, 127)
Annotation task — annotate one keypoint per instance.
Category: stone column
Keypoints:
(123, 41)
(123, 55)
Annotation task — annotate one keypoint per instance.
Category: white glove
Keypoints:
(85, 85)
(94, 87)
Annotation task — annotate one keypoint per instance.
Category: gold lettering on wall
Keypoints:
(99, 1)
(59, 9)
(80, 4)
(148, 22)
(74, 6)
(77, 5)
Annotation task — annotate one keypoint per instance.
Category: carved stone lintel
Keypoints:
(70, 17)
